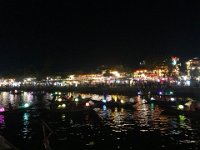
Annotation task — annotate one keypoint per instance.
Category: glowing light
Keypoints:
(2, 109)
(180, 107)
(122, 101)
(63, 117)
(26, 116)
(174, 62)
(118, 81)
(26, 105)
(182, 118)
(171, 93)
(160, 93)
(144, 101)
(104, 100)
(152, 98)
(115, 97)
(172, 99)
(188, 82)
(63, 105)
(76, 99)
(104, 107)
(152, 106)
(87, 104)
(116, 73)
(60, 99)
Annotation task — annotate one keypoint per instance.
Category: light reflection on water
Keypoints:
(145, 125)
(174, 130)
(2, 122)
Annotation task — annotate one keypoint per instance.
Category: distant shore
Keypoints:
(179, 91)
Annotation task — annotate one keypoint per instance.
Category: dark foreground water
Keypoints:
(104, 128)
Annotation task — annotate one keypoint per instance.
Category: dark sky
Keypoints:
(74, 35)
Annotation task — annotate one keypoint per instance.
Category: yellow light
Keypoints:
(115, 98)
(60, 99)
(63, 105)
(180, 107)
(116, 73)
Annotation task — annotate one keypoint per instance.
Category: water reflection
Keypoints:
(145, 126)
(2, 122)
(26, 128)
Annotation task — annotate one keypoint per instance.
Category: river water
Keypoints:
(145, 126)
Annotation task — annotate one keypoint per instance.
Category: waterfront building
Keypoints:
(193, 69)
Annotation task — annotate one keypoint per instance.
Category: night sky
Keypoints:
(63, 36)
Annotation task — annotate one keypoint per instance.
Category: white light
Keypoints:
(172, 99)
(87, 104)
(188, 82)
(26, 105)
(122, 101)
(63, 105)
(104, 100)
(60, 99)
(118, 81)
(104, 107)
(144, 101)
(76, 99)
(180, 107)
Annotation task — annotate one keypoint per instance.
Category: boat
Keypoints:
(112, 104)
(5, 144)
(190, 109)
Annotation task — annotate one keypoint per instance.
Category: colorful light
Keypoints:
(26, 105)
(2, 109)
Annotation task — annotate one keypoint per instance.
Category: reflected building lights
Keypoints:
(2, 121)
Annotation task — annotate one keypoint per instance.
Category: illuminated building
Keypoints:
(193, 68)
(175, 71)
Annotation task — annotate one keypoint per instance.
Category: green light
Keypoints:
(181, 118)
(26, 105)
